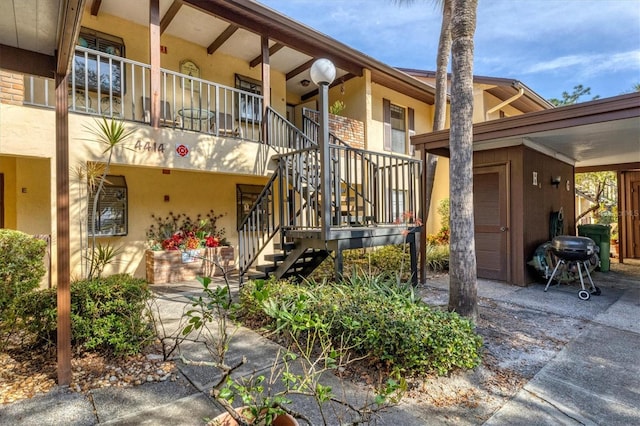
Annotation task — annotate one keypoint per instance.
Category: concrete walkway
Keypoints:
(594, 380)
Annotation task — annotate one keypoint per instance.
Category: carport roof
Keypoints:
(601, 134)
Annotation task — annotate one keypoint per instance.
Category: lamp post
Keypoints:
(322, 73)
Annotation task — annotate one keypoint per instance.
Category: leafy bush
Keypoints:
(438, 257)
(21, 265)
(375, 317)
(106, 314)
(385, 260)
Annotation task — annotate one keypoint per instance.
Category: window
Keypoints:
(398, 130)
(111, 216)
(249, 107)
(395, 122)
(86, 69)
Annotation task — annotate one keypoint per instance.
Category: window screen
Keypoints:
(398, 130)
(111, 217)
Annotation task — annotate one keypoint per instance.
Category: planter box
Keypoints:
(172, 266)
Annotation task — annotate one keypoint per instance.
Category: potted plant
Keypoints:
(179, 244)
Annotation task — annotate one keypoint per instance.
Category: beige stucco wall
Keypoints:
(8, 169)
(204, 179)
(423, 114)
(440, 192)
(33, 194)
(190, 193)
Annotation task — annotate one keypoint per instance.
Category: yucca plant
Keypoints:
(111, 134)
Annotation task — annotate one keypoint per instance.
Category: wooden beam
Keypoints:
(63, 344)
(69, 30)
(95, 7)
(277, 28)
(171, 13)
(335, 83)
(609, 168)
(222, 38)
(27, 61)
(272, 51)
(299, 69)
(154, 61)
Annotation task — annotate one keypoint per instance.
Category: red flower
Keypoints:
(212, 242)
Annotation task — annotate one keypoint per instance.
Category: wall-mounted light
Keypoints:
(555, 181)
(305, 83)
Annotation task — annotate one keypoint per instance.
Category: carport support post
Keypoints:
(63, 344)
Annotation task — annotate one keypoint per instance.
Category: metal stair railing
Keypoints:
(365, 188)
(259, 226)
(353, 178)
(264, 219)
(283, 136)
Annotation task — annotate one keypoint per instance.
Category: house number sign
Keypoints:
(149, 147)
(152, 147)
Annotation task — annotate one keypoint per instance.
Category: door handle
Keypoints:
(503, 229)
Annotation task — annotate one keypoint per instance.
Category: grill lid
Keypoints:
(573, 248)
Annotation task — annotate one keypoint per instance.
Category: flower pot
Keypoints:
(225, 419)
(170, 266)
(190, 256)
(216, 259)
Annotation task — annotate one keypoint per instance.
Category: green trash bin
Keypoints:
(601, 235)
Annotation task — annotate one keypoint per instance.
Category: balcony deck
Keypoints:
(186, 103)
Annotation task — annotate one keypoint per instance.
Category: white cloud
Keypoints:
(589, 64)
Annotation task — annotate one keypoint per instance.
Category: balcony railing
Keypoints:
(108, 85)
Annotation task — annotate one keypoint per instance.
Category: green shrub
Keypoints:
(385, 260)
(375, 317)
(438, 257)
(106, 314)
(21, 265)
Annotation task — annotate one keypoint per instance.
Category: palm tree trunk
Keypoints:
(430, 161)
(440, 113)
(462, 268)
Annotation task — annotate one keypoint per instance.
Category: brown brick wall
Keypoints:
(348, 130)
(11, 88)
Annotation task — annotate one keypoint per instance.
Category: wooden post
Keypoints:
(266, 87)
(154, 60)
(62, 225)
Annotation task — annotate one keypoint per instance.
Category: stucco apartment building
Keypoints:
(223, 111)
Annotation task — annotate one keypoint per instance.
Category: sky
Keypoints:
(549, 45)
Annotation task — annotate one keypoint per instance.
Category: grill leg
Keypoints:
(580, 274)
(586, 268)
(553, 274)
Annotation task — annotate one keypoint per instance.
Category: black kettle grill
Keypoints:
(573, 248)
(578, 251)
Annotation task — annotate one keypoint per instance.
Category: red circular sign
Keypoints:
(182, 150)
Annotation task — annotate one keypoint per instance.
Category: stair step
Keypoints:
(276, 257)
(287, 246)
(267, 269)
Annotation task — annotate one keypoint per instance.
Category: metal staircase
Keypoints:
(300, 217)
